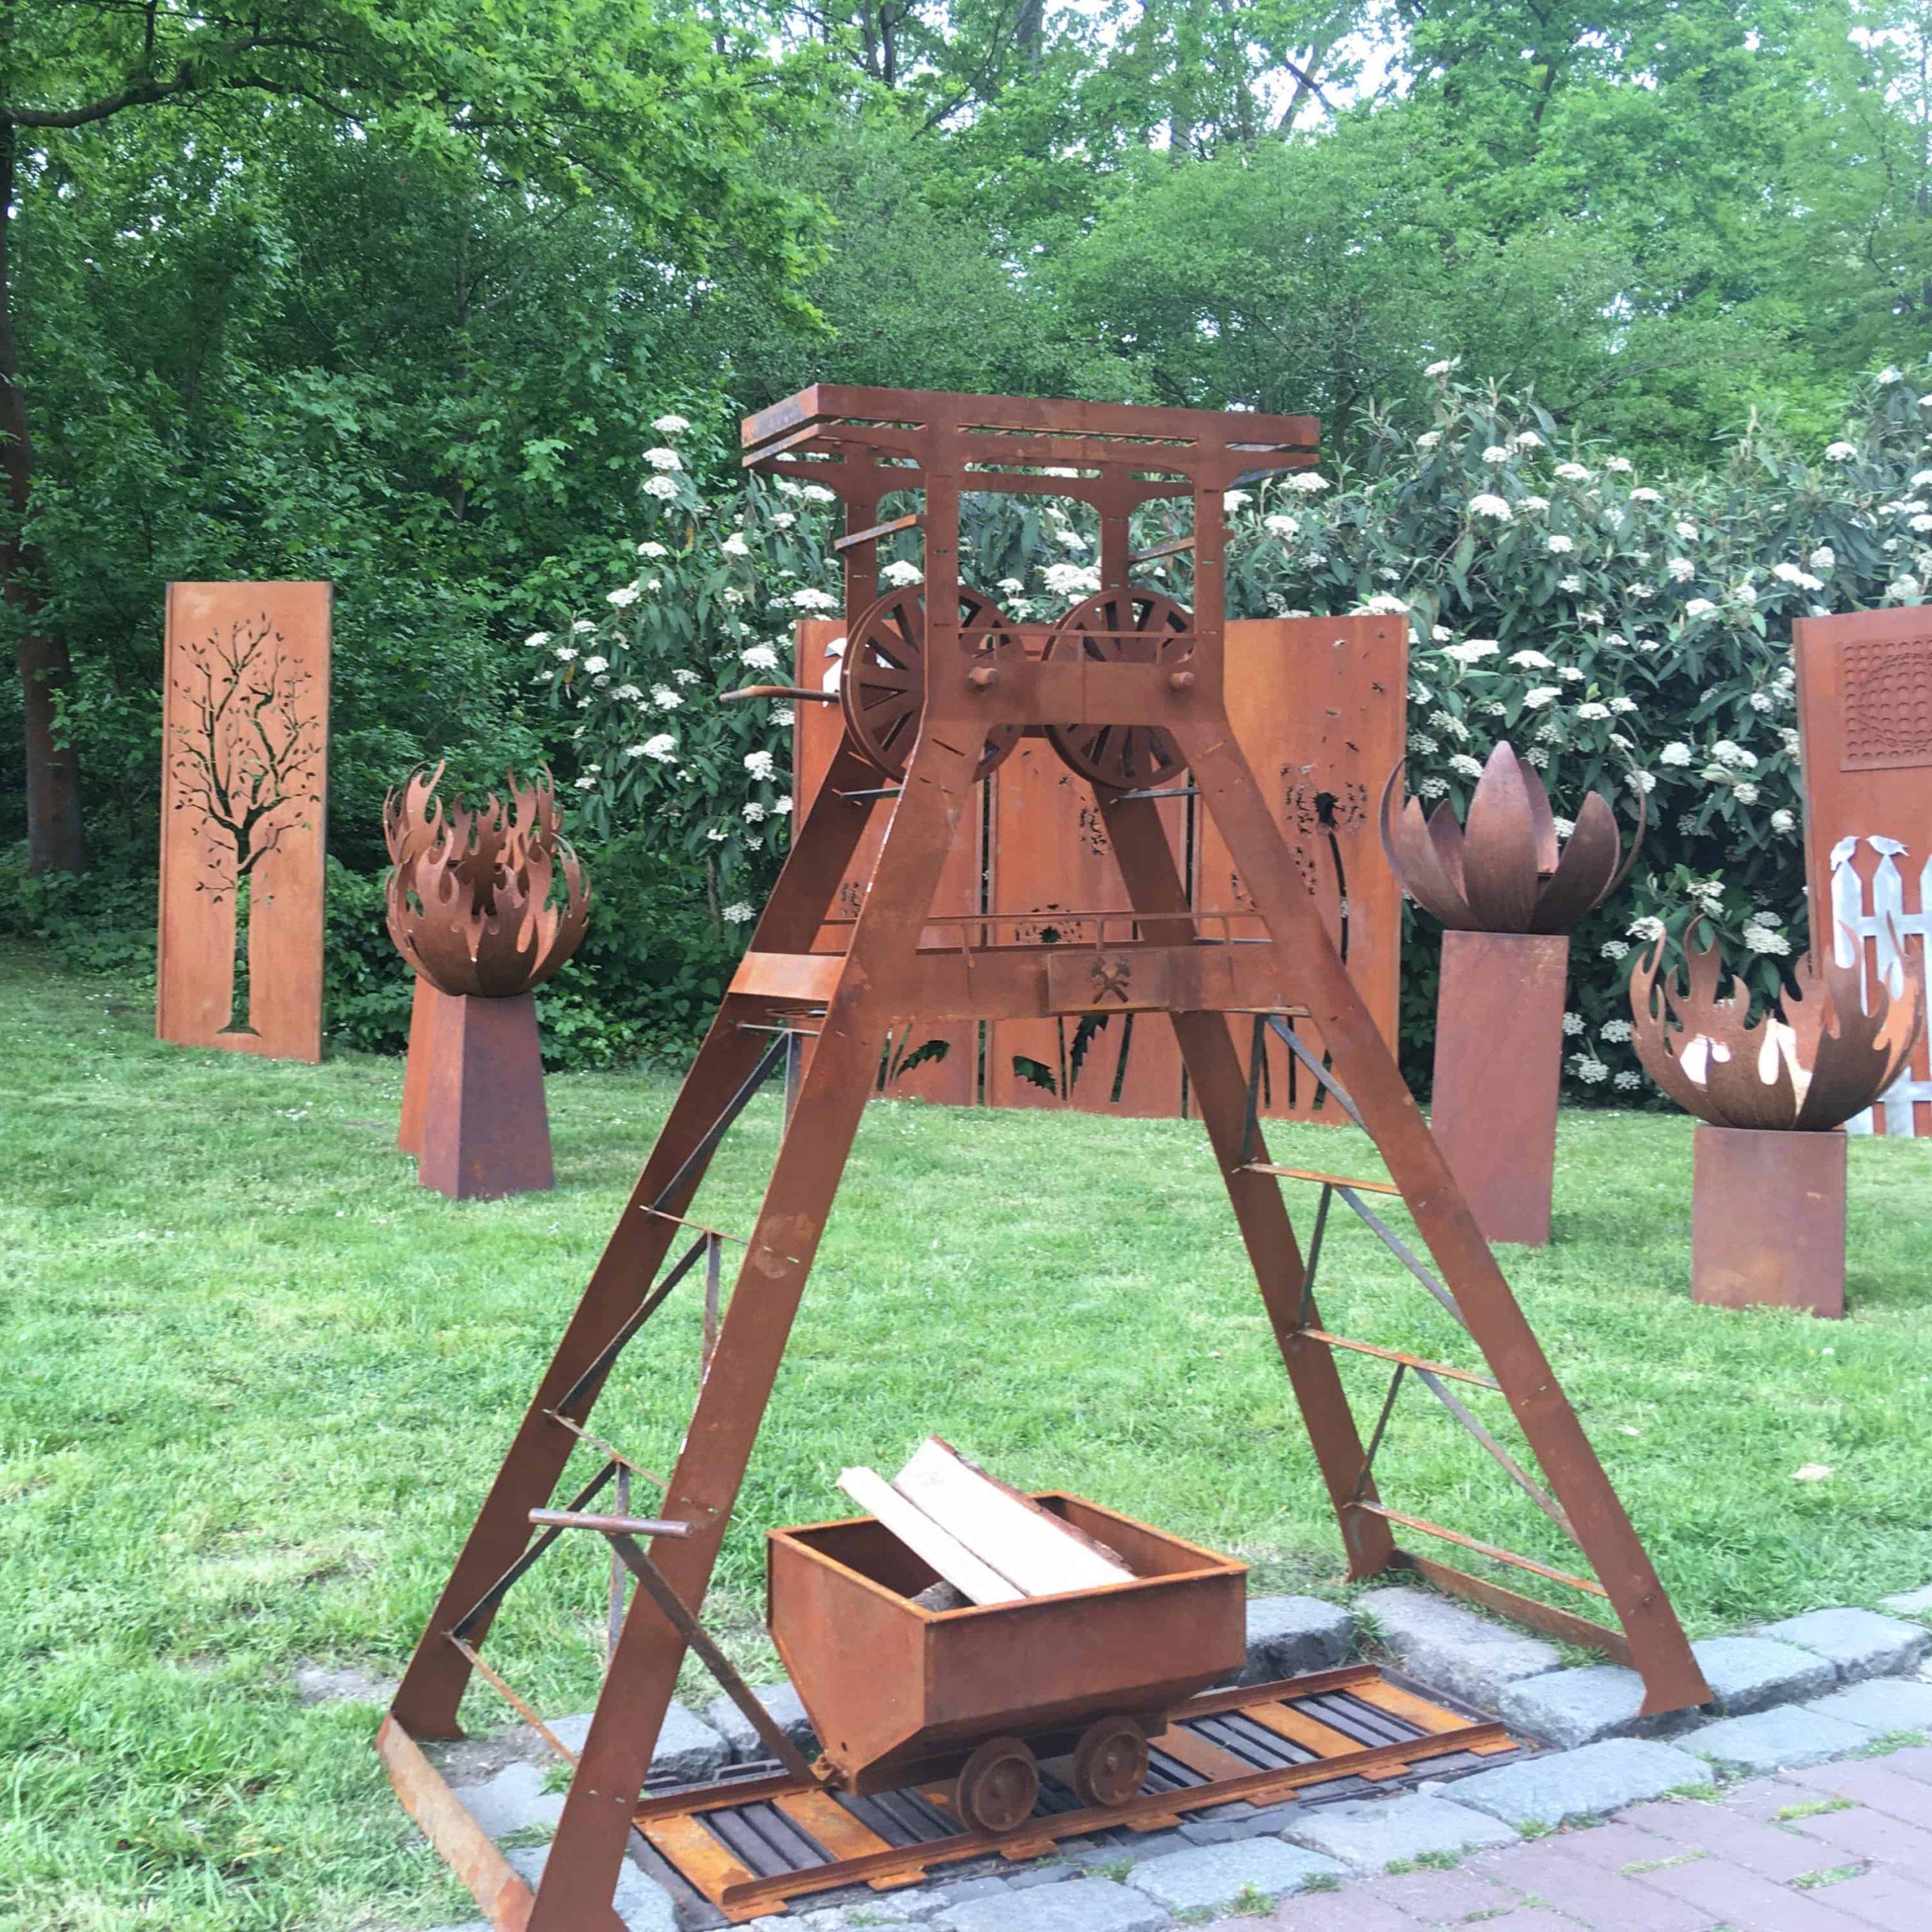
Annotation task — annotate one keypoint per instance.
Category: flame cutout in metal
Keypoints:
(1808, 1064)
(469, 899)
(1506, 870)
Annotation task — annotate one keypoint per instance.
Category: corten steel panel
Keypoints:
(1767, 1224)
(245, 726)
(1499, 1064)
(1865, 713)
(1319, 706)
(1051, 855)
(953, 1080)
(887, 1683)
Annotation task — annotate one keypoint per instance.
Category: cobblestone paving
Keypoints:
(1842, 1848)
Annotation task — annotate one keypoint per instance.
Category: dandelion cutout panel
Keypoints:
(244, 793)
(1865, 715)
(1319, 707)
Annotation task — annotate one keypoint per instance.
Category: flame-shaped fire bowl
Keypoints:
(1507, 886)
(1768, 1174)
(473, 907)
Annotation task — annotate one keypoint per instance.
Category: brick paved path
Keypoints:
(1844, 1847)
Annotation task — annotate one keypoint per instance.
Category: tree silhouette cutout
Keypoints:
(247, 764)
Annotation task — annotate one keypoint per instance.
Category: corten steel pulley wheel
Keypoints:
(1117, 627)
(999, 1787)
(882, 679)
(1110, 1762)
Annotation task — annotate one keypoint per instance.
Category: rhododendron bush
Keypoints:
(1629, 632)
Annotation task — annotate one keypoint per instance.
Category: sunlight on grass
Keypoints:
(258, 1380)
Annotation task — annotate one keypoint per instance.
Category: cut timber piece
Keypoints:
(1014, 1535)
(933, 1545)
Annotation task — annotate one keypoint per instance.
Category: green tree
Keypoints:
(612, 100)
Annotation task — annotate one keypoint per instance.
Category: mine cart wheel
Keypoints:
(1110, 1762)
(1122, 627)
(999, 1787)
(882, 678)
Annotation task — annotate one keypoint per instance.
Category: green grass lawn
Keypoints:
(255, 1381)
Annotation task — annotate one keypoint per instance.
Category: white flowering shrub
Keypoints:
(1627, 633)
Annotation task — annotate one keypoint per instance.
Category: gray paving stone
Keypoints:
(513, 1801)
(1452, 1648)
(742, 1742)
(1029, 1877)
(1860, 1642)
(1092, 1905)
(643, 1904)
(912, 1902)
(1748, 1674)
(1587, 1783)
(1573, 1707)
(1370, 1835)
(1882, 1704)
(688, 1749)
(1912, 1603)
(1287, 1635)
(975, 1888)
(1209, 1877)
(1778, 1740)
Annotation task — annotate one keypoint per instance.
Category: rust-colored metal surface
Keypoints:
(1053, 873)
(486, 1130)
(1807, 1064)
(756, 1843)
(921, 1060)
(244, 787)
(472, 899)
(1767, 1219)
(1499, 1064)
(897, 1692)
(1319, 707)
(866, 444)
(471, 906)
(1864, 717)
(1505, 869)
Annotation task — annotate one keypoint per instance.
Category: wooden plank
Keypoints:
(1407, 1706)
(700, 1857)
(1015, 1536)
(827, 1821)
(1198, 1754)
(1313, 1735)
(933, 1544)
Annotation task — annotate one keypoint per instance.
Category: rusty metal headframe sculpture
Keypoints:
(1128, 689)
(472, 905)
(1768, 1094)
(1508, 887)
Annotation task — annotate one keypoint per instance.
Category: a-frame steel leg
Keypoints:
(1362, 1062)
(432, 1689)
(587, 1854)
(1219, 1088)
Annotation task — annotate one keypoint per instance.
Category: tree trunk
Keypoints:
(54, 841)
(240, 988)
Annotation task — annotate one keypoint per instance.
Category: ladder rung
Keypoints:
(873, 533)
(1420, 1362)
(698, 1227)
(1488, 1549)
(1326, 1180)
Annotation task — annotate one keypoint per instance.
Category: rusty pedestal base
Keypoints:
(423, 1007)
(1767, 1219)
(1499, 1062)
(486, 1132)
